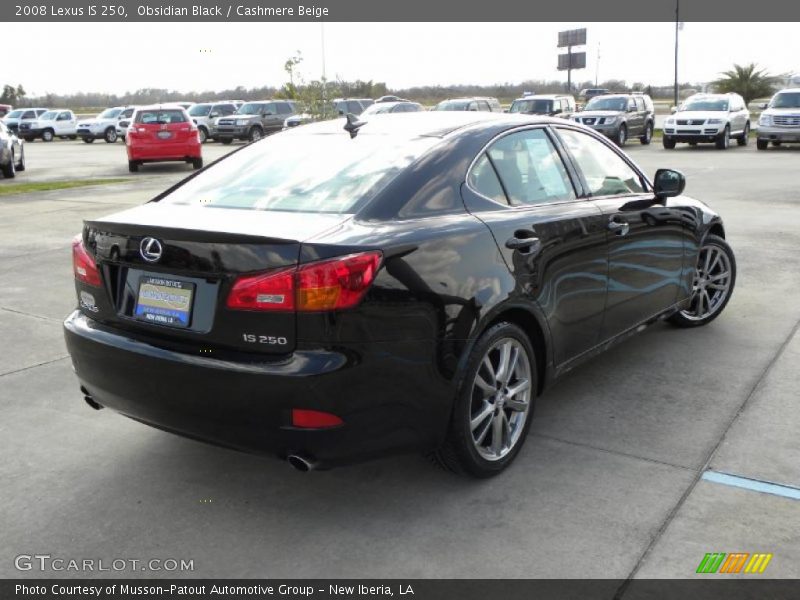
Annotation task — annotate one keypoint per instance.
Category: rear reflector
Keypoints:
(314, 419)
(83, 265)
(327, 285)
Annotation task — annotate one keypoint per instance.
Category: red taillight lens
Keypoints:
(83, 265)
(336, 284)
(314, 419)
(328, 285)
(273, 291)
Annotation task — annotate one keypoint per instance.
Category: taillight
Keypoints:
(83, 264)
(314, 419)
(334, 284)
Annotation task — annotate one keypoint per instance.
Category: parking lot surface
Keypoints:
(610, 485)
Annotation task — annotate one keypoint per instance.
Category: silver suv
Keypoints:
(254, 120)
(780, 121)
(205, 116)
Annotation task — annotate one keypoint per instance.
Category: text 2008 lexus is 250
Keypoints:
(413, 282)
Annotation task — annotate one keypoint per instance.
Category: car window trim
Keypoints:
(556, 145)
(587, 194)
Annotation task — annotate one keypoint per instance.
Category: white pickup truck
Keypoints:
(49, 125)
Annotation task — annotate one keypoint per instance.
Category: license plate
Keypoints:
(164, 135)
(164, 301)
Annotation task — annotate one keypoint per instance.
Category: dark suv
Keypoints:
(620, 116)
(254, 120)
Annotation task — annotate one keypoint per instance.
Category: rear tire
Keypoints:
(745, 137)
(723, 139)
(10, 170)
(197, 163)
(133, 166)
(714, 279)
(648, 135)
(493, 407)
(668, 143)
(110, 136)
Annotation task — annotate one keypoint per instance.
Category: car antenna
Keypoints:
(353, 124)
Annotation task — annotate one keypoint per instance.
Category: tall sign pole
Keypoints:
(571, 60)
(677, 24)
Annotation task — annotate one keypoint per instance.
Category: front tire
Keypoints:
(668, 143)
(762, 144)
(202, 135)
(47, 135)
(226, 141)
(88, 140)
(712, 285)
(494, 404)
(10, 170)
(745, 137)
(256, 133)
(622, 135)
(724, 139)
(110, 136)
(21, 164)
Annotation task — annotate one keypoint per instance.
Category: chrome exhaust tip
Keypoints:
(300, 463)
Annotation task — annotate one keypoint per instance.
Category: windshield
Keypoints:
(532, 106)
(452, 105)
(251, 109)
(49, 115)
(14, 114)
(322, 173)
(786, 100)
(199, 110)
(607, 103)
(710, 104)
(110, 113)
(377, 109)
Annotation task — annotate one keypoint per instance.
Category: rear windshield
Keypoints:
(709, 104)
(605, 103)
(532, 106)
(786, 100)
(160, 117)
(199, 110)
(318, 173)
(452, 105)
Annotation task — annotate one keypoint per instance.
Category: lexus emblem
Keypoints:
(150, 249)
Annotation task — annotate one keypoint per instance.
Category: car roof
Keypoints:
(542, 97)
(159, 106)
(790, 90)
(424, 123)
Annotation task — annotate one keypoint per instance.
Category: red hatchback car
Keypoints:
(160, 134)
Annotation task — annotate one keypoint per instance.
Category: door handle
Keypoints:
(620, 228)
(528, 244)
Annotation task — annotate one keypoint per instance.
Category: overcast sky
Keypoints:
(119, 57)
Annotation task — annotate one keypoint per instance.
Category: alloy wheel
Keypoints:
(501, 398)
(711, 283)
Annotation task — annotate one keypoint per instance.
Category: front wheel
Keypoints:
(47, 135)
(712, 284)
(110, 135)
(668, 142)
(745, 137)
(202, 135)
(494, 404)
(762, 144)
(255, 134)
(724, 139)
(648, 135)
(88, 140)
(21, 164)
(10, 170)
(226, 141)
(622, 135)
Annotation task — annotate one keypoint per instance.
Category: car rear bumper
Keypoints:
(388, 395)
(164, 151)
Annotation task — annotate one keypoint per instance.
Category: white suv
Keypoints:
(780, 121)
(709, 118)
(102, 126)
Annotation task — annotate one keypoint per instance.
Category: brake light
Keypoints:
(83, 265)
(314, 419)
(327, 285)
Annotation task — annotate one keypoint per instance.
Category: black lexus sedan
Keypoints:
(351, 289)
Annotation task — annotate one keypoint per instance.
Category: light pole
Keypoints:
(677, 22)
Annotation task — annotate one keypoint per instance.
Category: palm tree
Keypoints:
(747, 81)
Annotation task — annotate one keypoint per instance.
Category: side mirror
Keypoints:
(124, 123)
(556, 111)
(673, 109)
(505, 110)
(763, 105)
(668, 183)
(631, 109)
(214, 114)
(266, 113)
